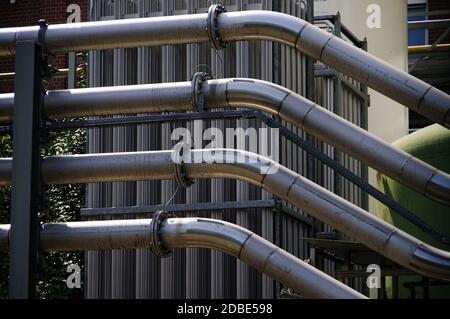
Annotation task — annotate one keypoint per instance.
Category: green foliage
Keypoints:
(63, 203)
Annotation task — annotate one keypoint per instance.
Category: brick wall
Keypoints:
(27, 12)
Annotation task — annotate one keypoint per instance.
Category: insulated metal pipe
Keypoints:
(376, 234)
(5, 171)
(428, 48)
(6, 107)
(56, 73)
(253, 94)
(193, 233)
(238, 26)
(4, 237)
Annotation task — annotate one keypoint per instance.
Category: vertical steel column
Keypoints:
(23, 264)
(310, 91)
(364, 124)
(310, 95)
(337, 109)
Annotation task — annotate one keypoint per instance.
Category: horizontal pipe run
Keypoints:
(429, 48)
(429, 24)
(376, 234)
(58, 73)
(240, 26)
(6, 107)
(101, 35)
(253, 94)
(192, 233)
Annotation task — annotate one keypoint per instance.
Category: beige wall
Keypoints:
(387, 119)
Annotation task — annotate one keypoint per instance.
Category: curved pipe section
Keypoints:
(238, 26)
(193, 233)
(253, 94)
(282, 182)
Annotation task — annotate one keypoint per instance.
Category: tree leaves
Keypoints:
(62, 203)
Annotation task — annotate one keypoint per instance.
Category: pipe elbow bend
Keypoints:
(438, 187)
(256, 94)
(230, 163)
(431, 262)
(204, 233)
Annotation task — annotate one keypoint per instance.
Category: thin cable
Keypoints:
(171, 198)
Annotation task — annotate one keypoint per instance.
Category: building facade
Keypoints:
(16, 13)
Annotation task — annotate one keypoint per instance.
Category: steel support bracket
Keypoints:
(198, 98)
(213, 29)
(157, 245)
(42, 23)
(47, 70)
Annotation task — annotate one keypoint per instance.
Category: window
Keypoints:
(416, 12)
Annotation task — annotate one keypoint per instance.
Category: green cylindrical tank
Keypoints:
(432, 145)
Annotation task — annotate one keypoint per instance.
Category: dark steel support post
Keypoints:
(310, 95)
(337, 109)
(395, 284)
(276, 52)
(365, 125)
(23, 264)
(277, 236)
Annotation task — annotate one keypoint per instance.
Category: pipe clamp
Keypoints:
(198, 98)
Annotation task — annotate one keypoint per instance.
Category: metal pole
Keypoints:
(429, 24)
(310, 94)
(25, 171)
(337, 108)
(365, 104)
(55, 73)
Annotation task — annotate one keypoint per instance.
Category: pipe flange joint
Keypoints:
(198, 99)
(213, 30)
(157, 245)
(178, 168)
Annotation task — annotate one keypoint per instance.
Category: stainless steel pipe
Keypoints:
(376, 234)
(238, 26)
(254, 94)
(6, 107)
(193, 233)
